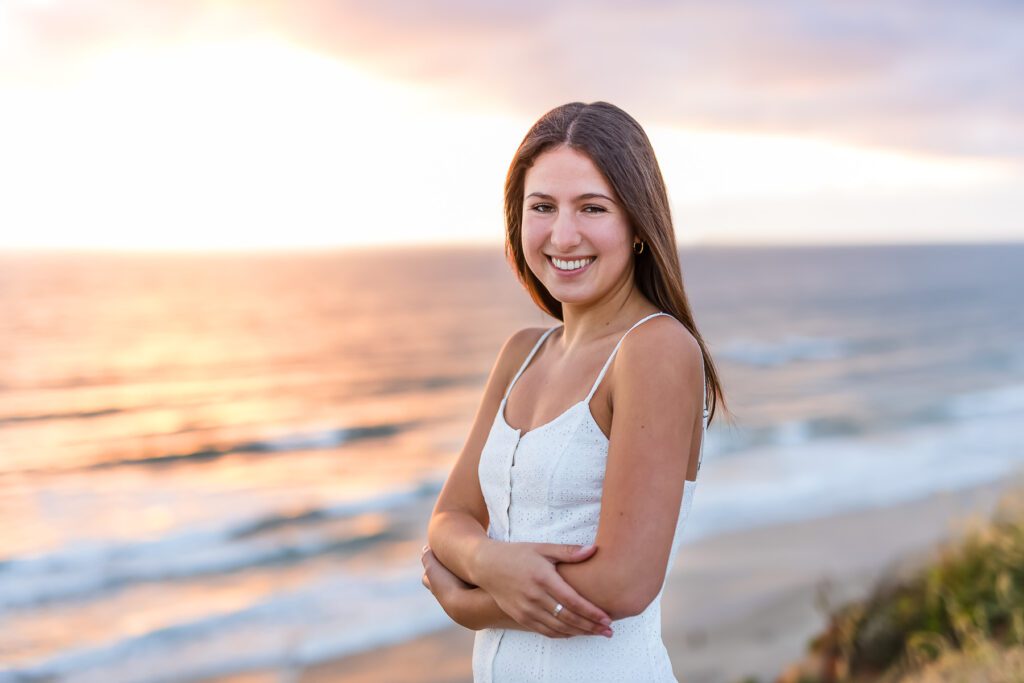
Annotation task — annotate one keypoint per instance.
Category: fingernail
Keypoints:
(586, 548)
(606, 622)
(608, 633)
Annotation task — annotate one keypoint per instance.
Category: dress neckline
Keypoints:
(557, 418)
(586, 401)
(590, 415)
(593, 388)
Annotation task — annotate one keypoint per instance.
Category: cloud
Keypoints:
(938, 77)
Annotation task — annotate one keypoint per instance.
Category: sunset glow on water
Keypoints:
(202, 453)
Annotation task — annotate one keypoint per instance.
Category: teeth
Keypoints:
(570, 265)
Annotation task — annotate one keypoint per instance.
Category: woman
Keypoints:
(590, 236)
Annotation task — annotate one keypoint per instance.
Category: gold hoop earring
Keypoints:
(640, 250)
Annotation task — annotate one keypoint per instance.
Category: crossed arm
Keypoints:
(529, 602)
(514, 585)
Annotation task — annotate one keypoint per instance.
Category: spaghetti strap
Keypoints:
(612, 354)
(529, 357)
(704, 420)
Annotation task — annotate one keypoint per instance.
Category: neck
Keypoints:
(596, 320)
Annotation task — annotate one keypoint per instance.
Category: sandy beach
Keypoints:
(738, 604)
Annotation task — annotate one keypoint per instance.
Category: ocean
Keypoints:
(215, 463)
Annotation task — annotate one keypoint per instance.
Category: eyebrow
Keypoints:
(588, 195)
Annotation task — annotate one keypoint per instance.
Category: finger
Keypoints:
(583, 626)
(540, 626)
(581, 552)
(560, 625)
(562, 592)
(555, 624)
(426, 582)
(566, 552)
(541, 609)
(532, 616)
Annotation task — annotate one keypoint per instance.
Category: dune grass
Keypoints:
(958, 618)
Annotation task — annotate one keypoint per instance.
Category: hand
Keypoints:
(522, 580)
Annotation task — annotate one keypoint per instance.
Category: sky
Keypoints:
(268, 124)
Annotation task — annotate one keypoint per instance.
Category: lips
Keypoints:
(587, 260)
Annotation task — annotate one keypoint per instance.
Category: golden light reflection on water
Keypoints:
(154, 519)
(235, 412)
(143, 608)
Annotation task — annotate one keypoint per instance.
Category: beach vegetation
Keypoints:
(958, 617)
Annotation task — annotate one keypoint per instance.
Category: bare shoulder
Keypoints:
(524, 339)
(514, 351)
(661, 346)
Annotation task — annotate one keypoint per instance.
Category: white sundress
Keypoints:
(545, 486)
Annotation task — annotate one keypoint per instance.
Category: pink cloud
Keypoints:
(938, 76)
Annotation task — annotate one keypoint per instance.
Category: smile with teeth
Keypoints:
(578, 264)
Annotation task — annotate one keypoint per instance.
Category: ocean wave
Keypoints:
(1004, 400)
(333, 617)
(70, 415)
(83, 571)
(299, 441)
(329, 438)
(790, 349)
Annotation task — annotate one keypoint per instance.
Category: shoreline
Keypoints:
(737, 604)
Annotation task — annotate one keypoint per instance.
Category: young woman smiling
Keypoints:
(556, 528)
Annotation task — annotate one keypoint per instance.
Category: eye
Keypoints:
(600, 209)
(537, 207)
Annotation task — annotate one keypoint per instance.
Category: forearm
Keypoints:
(475, 609)
(456, 538)
(600, 582)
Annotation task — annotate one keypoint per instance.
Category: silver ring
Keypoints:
(558, 609)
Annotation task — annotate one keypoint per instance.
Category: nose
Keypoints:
(564, 233)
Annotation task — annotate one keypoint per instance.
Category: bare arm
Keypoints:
(479, 610)
(456, 532)
(475, 608)
(459, 521)
(655, 425)
(646, 466)
(467, 605)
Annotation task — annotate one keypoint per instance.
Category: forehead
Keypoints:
(564, 170)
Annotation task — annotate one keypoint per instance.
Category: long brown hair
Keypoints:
(620, 149)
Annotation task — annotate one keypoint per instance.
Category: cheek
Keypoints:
(532, 240)
(612, 241)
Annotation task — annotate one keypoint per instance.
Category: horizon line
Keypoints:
(468, 245)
